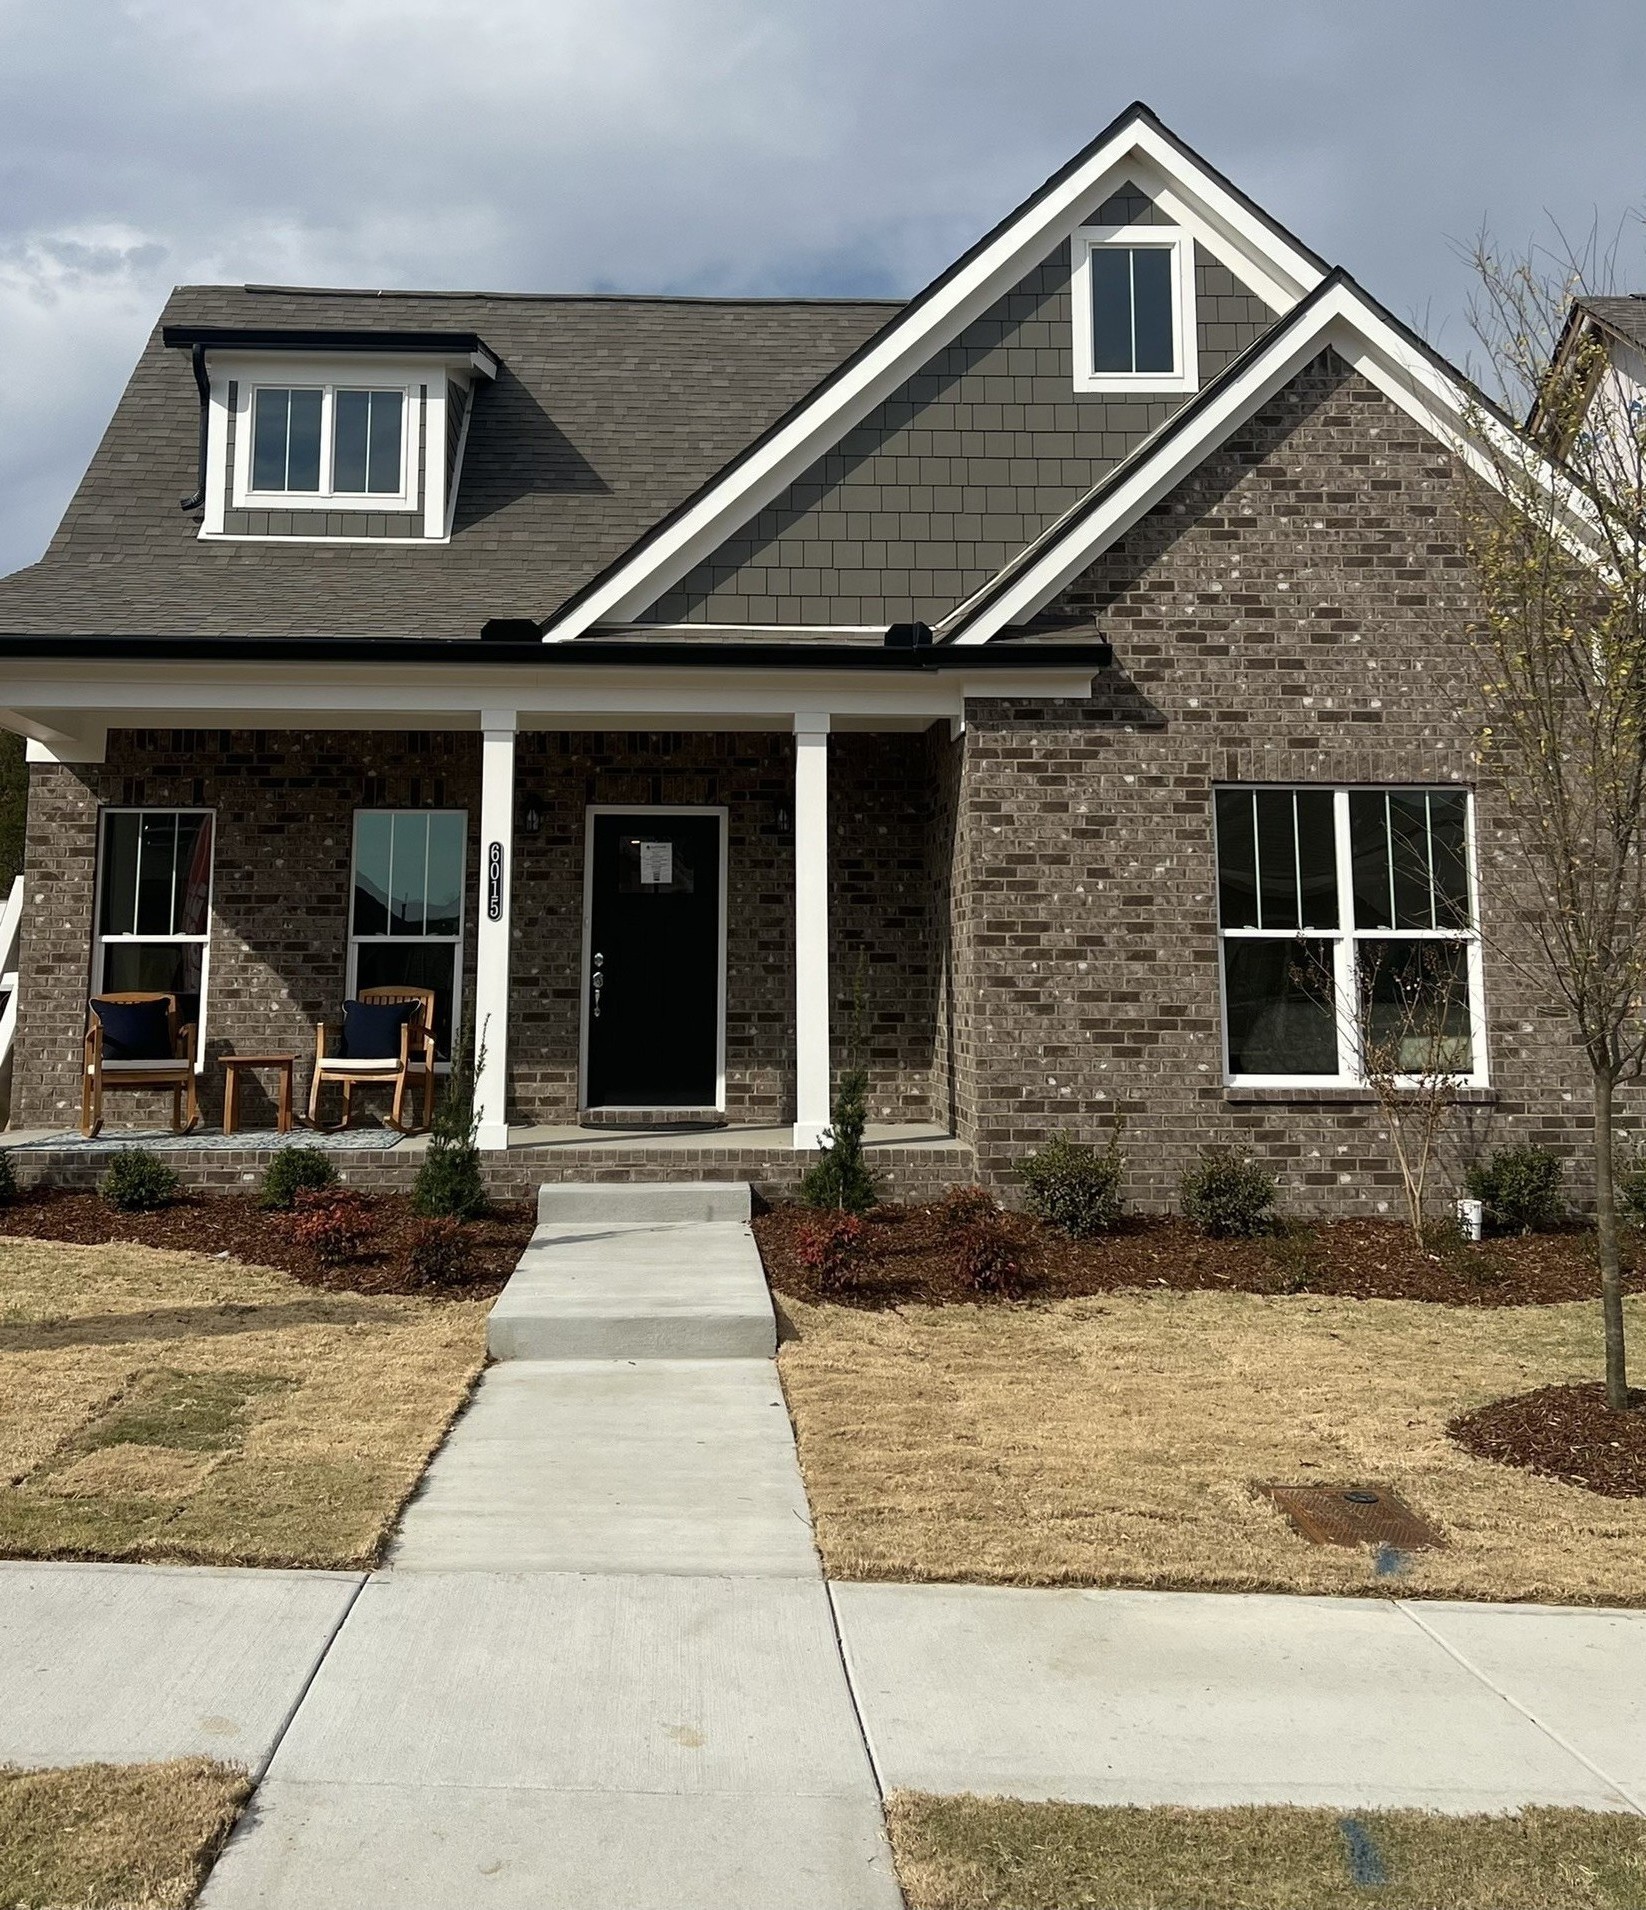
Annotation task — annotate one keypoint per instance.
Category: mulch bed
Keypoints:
(910, 1256)
(1565, 1432)
(235, 1225)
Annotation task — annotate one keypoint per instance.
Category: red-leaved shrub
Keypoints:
(989, 1262)
(334, 1223)
(438, 1255)
(828, 1248)
(964, 1207)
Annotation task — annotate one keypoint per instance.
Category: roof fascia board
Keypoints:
(1342, 317)
(895, 353)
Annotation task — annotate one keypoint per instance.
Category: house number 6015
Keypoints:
(494, 882)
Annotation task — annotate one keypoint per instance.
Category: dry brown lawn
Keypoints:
(992, 1853)
(1118, 1441)
(160, 1405)
(113, 1836)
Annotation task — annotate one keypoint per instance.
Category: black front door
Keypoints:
(654, 961)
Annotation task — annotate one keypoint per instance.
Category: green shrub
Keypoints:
(1228, 1195)
(294, 1171)
(1520, 1189)
(449, 1184)
(8, 1178)
(138, 1182)
(842, 1178)
(438, 1255)
(1630, 1183)
(1074, 1187)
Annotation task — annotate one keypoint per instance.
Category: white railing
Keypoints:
(11, 925)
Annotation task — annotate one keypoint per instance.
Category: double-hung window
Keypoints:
(326, 445)
(154, 906)
(1349, 935)
(1134, 309)
(406, 913)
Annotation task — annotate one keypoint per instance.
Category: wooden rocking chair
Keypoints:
(103, 1071)
(416, 1058)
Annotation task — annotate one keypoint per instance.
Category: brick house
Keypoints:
(1049, 692)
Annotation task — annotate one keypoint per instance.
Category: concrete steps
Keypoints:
(637, 1271)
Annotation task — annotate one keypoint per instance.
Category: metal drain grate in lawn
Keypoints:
(1354, 1515)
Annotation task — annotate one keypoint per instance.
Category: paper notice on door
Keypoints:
(656, 863)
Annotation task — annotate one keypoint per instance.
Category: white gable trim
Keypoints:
(1279, 270)
(1342, 317)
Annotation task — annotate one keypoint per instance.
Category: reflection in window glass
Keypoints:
(1415, 1007)
(366, 441)
(154, 904)
(1131, 289)
(1279, 996)
(285, 441)
(408, 905)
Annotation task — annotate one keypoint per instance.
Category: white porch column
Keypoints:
(491, 963)
(811, 927)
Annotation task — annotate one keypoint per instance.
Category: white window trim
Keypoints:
(101, 943)
(1185, 349)
(329, 383)
(1344, 939)
(454, 941)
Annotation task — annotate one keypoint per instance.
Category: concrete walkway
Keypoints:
(1179, 1698)
(601, 1669)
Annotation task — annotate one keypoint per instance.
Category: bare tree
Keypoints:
(1414, 1036)
(1556, 534)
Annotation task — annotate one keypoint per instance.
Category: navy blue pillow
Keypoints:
(371, 1029)
(134, 1030)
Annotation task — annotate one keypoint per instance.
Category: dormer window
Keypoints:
(331, 442)
(1134, 309)
(353, 437)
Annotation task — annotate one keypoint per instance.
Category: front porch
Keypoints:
(917, 1161)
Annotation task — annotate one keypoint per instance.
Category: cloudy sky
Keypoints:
(735, 146)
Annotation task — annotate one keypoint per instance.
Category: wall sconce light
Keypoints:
(533, 818)
(782, 818)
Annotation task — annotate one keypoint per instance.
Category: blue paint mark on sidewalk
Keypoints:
(1365, 1865)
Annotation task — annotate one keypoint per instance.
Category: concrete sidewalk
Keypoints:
(1114, 1697)
(601, 1670)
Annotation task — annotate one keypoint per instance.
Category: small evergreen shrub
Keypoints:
(988, 1261)
(1630, 1183)
(8, 1178)
(294, 1171)
(138, 1182)
(334, 1223)
(1520, 1190)
(828, 1248)
(449, 1184)
(438, 1255)
(1074, 1187)
(841, 1178)
(963, 1207)
(1228, 1195)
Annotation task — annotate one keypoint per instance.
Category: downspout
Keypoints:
(197, 358)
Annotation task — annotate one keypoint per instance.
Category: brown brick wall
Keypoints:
(285, 802)
(1293, 613)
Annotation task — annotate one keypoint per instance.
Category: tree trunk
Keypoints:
(1611, 1272)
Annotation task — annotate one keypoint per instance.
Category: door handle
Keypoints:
(598, 982)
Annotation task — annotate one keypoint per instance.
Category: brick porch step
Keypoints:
(637, 1271)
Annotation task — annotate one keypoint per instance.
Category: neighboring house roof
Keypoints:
(1625, 315)
(605, 413)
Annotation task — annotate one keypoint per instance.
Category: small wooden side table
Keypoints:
(232, 1065)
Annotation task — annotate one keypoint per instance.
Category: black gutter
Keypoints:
(309, 338)
(581, 653)
(197, 358)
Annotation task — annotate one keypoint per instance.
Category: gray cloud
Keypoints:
(731, 145)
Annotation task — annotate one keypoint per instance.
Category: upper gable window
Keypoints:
(1133, 298)
(325, 444)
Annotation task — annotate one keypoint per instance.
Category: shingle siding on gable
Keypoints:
(942, 484)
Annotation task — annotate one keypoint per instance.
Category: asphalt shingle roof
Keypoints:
(1626, 315)
(606, 413)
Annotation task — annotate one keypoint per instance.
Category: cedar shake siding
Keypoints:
(1295, 612)
(926, 499)
(285, 802)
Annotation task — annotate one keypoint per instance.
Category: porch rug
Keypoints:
(162, 1138)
